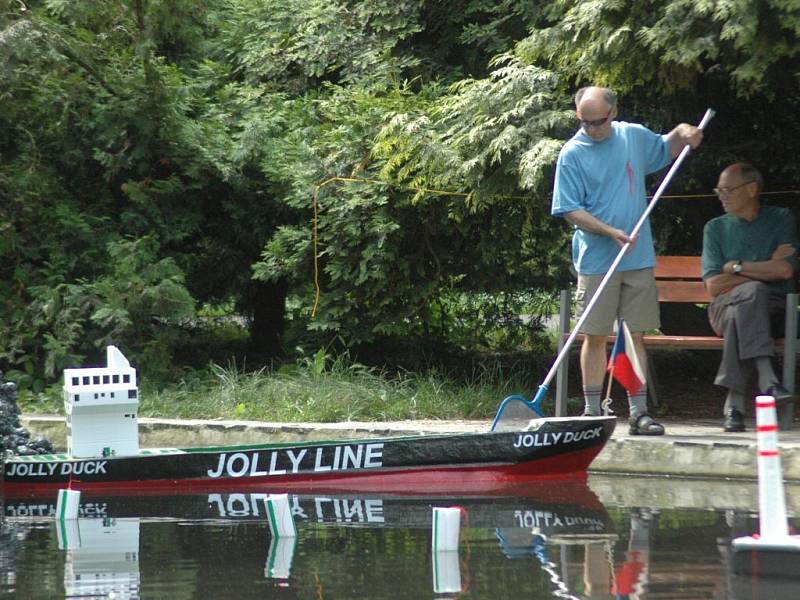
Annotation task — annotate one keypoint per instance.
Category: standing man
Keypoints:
(600, 189)
(749, 262)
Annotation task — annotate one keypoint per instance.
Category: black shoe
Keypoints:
(734, 421)
(644, 425)
(588, 413)
(780, 393)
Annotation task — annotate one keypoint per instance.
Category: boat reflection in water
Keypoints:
(601, 576)
(102, 547)
(557, 541)
(101, 558)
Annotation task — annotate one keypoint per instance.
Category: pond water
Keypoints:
(611, 538)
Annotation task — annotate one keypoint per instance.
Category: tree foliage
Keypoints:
(159, 156)
(625, 44)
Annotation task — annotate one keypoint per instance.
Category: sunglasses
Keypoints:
(597, 122)
(727, 191)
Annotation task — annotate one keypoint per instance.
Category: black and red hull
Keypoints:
(447, 463)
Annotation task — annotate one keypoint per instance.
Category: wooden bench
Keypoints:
(679, 281)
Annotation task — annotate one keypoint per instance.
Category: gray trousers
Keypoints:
(744, 317)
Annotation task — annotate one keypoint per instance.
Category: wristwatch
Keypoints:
(737, 267)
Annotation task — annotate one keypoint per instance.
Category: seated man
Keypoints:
(749, 262)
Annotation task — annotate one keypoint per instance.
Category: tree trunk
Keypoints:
(267, 327)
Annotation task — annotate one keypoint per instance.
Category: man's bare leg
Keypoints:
(637, 404)
(641, 423)
(593, 372)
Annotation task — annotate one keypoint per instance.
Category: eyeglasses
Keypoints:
(596, 122)
(727, 191)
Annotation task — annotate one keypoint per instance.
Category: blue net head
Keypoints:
(515, 413)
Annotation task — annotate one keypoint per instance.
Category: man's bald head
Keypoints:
(596, 107)
(593, 94)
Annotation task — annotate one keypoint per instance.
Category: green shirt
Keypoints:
(730, 238)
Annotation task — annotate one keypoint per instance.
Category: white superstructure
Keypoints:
(102, 404)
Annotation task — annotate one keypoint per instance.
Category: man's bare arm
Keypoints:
(723, 282)
(584, 220)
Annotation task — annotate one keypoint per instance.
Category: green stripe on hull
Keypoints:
(57, 458)
(337, 442)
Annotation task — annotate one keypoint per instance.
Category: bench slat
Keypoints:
(683, 342)
(678, 267)
(679, 342)
(693, 292)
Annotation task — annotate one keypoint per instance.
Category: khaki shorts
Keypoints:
(630, 295)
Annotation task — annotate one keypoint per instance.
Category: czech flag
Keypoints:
(624, 364)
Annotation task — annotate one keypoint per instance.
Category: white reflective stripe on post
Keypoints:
(771, 497)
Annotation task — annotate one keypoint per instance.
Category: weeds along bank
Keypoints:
(321, 389)
(405, 379)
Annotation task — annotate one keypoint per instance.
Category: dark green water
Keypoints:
(565, 543)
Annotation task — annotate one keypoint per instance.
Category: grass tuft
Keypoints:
(320, 388)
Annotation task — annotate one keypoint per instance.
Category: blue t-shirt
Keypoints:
(606, 179)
